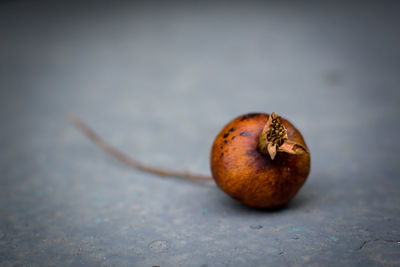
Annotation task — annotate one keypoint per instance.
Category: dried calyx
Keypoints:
(274, 139)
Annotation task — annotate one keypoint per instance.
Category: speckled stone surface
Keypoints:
(159, 81)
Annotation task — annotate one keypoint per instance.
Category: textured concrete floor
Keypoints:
(159, 81)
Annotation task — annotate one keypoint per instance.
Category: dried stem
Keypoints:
(91, 134)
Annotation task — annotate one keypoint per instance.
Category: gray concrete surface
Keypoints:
(159, 81)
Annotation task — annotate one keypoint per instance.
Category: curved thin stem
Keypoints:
(91, 134)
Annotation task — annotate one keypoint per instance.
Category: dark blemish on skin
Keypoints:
(251, 152)
(249, 116)
(222, 154)
(233, 137)
(261, 162)
(226, 135)
(245, 134)
(221, 147)
(225, 141)
(232, 129)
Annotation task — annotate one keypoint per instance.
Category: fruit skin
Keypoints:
(246, 174)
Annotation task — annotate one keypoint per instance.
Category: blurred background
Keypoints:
(159, 80)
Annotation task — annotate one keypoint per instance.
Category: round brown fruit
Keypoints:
(258, 162)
